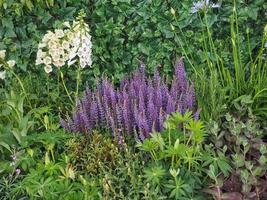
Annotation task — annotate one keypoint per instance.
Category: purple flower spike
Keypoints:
(138, 106)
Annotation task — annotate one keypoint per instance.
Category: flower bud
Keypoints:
(172, 11)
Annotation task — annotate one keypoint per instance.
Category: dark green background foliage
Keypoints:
(126, 31)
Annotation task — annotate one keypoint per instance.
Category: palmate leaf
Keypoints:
(155, 174)
(177, 118)
(147, 145)
(178, 150)
(157, 139)
(197, 130)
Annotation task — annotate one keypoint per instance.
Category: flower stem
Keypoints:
(78, 82)
(64, 85)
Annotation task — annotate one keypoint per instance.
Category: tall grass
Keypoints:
(221, 83)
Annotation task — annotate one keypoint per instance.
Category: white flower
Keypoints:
(70, 35)
(59, 33)
(40, 54)
(2, 75)
(52, 52)
(82, 64)
(202, 5)
(38, 61)
(76, 42)
(11, 63)
(48, 69)
(47, 60)
(41, 45)
(48, 36)
(71, 62)
(56, 57)
(72, 55)
(80, 53)
(67, 24)
(59, 63)
(56, 49)
(52, 44)
(2, 54)
(65, 44)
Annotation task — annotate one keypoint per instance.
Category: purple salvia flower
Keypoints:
(174, 88)
(156, 78)
(143, 125)
(170, 105)
(94, 112)
(88, 92)
(136, 115)
(64, 124)
(119, 117)
(180, 105)
(78, 122)
(189, 98)
(180, 74)
(159, 98)
(196, 115)
(100, 108)
(86, 122)
(141, 102)
(138, 106)
(126, 118)
(152, 113)
(124, 83)
(161, 119)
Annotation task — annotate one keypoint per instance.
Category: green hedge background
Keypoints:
(125, 32)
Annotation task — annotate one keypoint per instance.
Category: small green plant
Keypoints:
(8, 183)
(241, 138)
(179, 146)
(47, 171)
(94, 153)
(15, 124)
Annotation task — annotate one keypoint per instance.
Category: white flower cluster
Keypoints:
(68, 45)
(9, 63)
(202, 5)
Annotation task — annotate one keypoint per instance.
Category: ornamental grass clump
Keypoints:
(138, 106)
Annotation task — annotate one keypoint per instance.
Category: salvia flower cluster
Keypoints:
(68, 45)
(138, 106)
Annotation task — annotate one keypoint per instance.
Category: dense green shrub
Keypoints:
(125, 31)
(242, 137)
(177, 156)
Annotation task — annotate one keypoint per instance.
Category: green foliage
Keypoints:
(242, 72)
(125, 32)
(93, 154)
(7, 185)
(179, 146)
(115, 168)
(46, 172)
(241, 137)
(230, 75)
(14, 122)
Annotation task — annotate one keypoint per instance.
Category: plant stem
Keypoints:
(64, 85)
(17, 77)
(78, 82)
